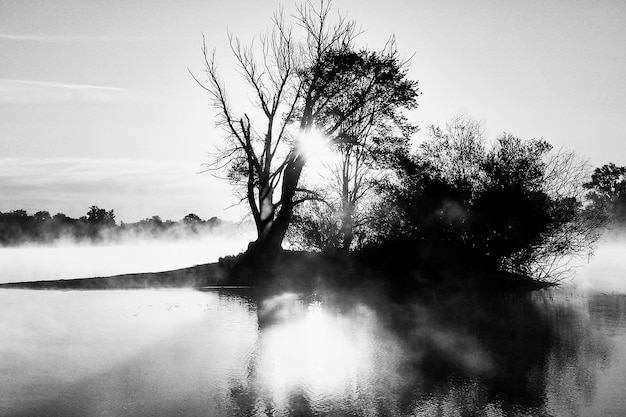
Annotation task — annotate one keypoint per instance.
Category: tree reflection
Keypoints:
(465, 354)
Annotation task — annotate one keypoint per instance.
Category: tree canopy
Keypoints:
(310, 78)
(607, 191)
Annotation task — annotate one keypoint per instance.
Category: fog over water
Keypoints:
(183, 352)
(605, 270)
(67, 259)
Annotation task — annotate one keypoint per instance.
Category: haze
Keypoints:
(67, 260)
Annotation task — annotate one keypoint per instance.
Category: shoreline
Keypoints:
(207, 275)
(301, 271)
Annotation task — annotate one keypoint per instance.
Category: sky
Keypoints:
(97, 106)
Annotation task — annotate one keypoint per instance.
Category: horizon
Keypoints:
(119, 222)
(99, 108)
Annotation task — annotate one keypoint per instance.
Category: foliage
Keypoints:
(100, 217)
(607, 192)
(509, 207)
(315, 226)
(348, 178)
(98, 225)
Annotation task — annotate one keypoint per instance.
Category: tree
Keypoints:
(512, 210)
(348, 191)
(458, 152)
(302, 89)
(100, 217)
(315, 226)
(192, 218)
(516, 206)
(607, 191)
(41, 216)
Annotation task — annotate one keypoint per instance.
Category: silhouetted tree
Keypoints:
(510, 207)
(349, 190)
(17, 227)
(42, 216)
(607, 191)
(314, 86)
(60, 217)
(100, 217)
(192, 218)
(457, 153)
(13, 226)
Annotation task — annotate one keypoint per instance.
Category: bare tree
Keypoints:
(253, 142)
(576, 234)
(318, 83)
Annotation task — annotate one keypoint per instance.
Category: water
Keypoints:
(71, 260)
(170, 352)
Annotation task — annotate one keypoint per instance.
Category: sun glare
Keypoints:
(313, 144)
(317, 351)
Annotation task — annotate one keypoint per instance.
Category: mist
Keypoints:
(605, 270)
(67, 258)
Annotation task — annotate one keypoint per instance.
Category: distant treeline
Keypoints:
(17, 227)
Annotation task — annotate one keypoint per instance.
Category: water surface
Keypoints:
(559, 352)
(191, 353)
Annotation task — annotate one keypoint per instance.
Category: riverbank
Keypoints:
(301, 271)
(195, 276)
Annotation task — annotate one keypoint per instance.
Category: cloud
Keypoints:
(29, 91)
(111, 38)
(34, 38)
(78, 173)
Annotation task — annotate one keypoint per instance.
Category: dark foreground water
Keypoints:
(205, 353)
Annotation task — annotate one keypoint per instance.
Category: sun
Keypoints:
(313, 145)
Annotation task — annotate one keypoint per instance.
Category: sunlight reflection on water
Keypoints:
(326, 355)
(189, 353)
(535, 355)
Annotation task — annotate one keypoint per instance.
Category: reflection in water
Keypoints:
(465, 355)
(190, 353)
(317, 359)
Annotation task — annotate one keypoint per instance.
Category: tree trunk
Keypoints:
(266, 208)
(272, 242)
(347, 208)
(347, 227)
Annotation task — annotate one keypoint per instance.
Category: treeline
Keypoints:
(98, 225)
(514, 205)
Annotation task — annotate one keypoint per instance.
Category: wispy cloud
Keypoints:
(34, 38)
(29, 91)
(104, 38)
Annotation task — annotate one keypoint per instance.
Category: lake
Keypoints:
(559, 352)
